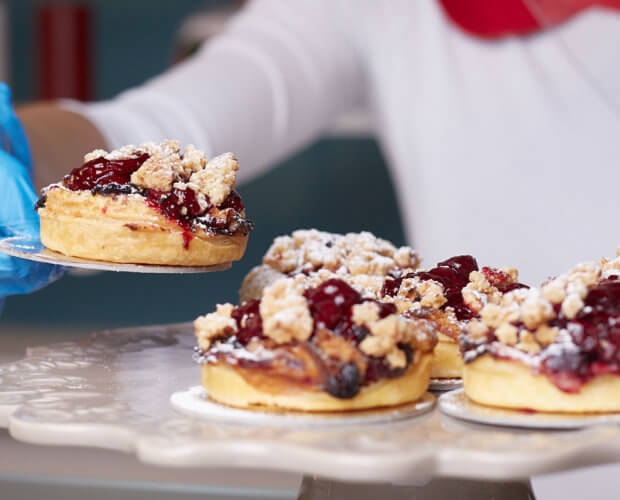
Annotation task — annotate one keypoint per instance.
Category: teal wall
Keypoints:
(336, 184)
(132, 40)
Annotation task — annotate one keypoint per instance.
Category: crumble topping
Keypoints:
(536, 306)
(431, 294)
(217, 179)
(194, 160)
(480, 291)
(365, 313)
(215, 324)
(355, 254)
(386, 334)
(285, 312)
(521, 318)
(337, 348)
(169, 167)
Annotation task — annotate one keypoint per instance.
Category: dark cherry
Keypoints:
(376, 369)
(452, 273)
(509, 287)
(385, 308)
(99, 172)
(346, 383)
(233, 201)
(249, 322)
(391, 286)
(500, 280)
(171, 204)
(331, 302)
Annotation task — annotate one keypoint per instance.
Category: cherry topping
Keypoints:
(233, 200)
(452, 273)
(377, 368)
(331, 302)
(249, 322)
(100, 172)
(596, 330)
(501, 280)
(179, 205)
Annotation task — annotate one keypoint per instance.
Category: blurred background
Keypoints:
(92, 49)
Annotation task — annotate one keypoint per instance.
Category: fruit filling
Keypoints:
(328, 337)
(453, 292)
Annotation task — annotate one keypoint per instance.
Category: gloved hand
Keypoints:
(17, 199)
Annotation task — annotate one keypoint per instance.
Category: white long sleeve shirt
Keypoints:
(501, 149)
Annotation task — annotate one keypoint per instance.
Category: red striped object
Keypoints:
(63, 55)
(497, 18)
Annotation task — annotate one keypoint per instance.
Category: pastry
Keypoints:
(450, 294)
(361, 259)
(322, 348)
(151, 204)
(555, 348)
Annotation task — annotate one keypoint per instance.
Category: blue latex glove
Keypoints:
(17, 199)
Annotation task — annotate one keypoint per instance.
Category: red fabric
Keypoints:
(64, 51)
(498, 18)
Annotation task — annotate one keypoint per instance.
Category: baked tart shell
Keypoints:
(510, 384)
(125, 229)
(447, 359)
(229, 385)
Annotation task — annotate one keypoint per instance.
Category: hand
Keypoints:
(17, 199)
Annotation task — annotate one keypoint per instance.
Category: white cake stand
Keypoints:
(112, 391)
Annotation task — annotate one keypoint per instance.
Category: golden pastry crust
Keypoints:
(124, 229)
(230, 385)
(259, 278)
(511, 384)
(447, 360)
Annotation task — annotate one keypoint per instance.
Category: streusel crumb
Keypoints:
(215, 324)
(365, 313)
(352, 254)
(507, 334)
(217, 179)
(285, 312)
(385, 336)
(154, 175)
(528, 343)
(546, 335)
(431, 294)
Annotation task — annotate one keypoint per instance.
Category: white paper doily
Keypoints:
(29, 249)
(194, 403)
(458, 405)
(112, 390)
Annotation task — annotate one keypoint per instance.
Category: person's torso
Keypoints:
(503, 149)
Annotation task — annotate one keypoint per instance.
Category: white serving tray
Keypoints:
(112, 391)
(32, 249)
